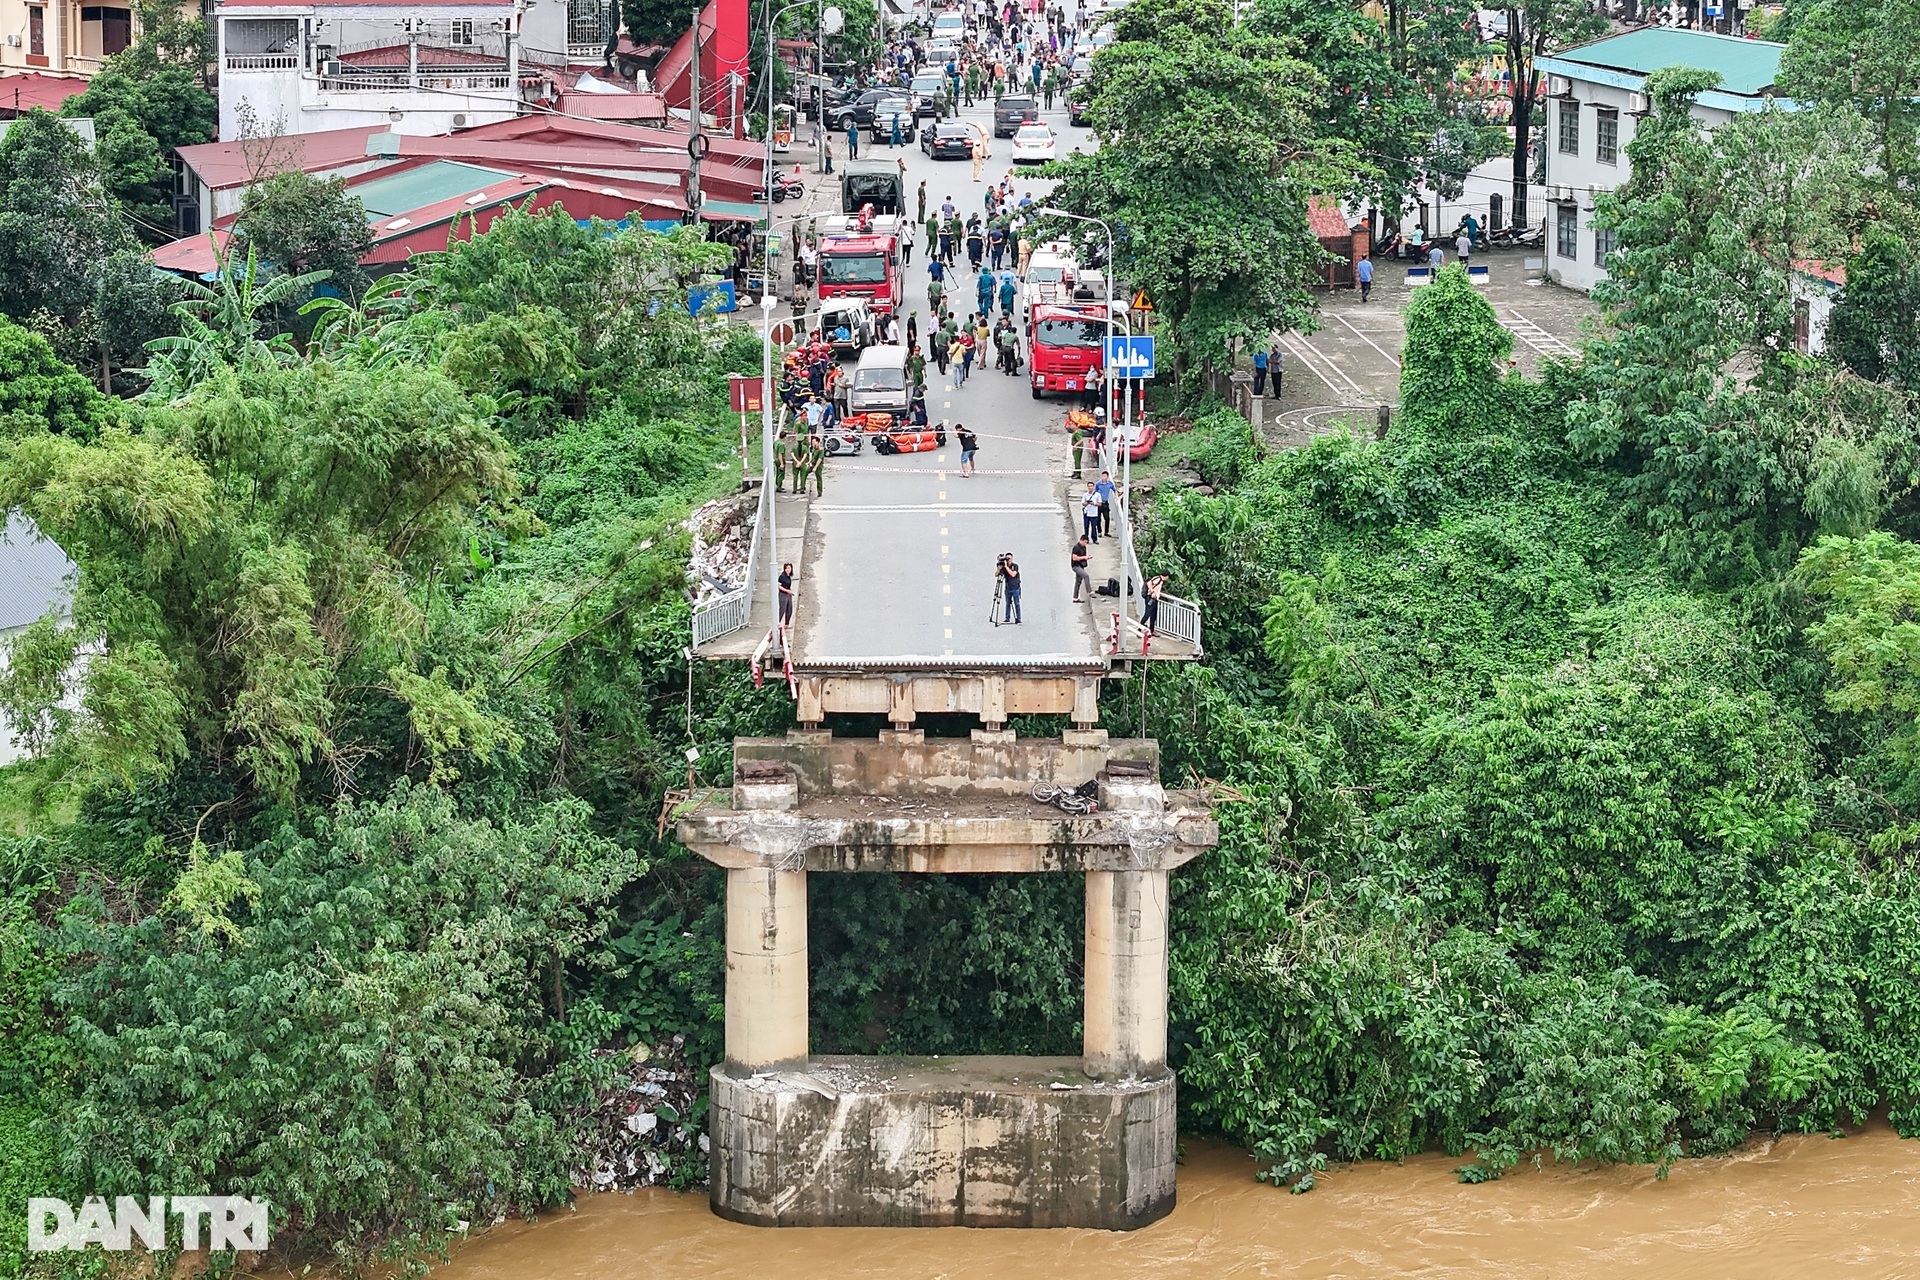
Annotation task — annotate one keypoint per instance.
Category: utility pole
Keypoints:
(694, 141)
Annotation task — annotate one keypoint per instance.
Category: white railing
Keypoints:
(385, 80)
(730, 612)
(1178, 619)
(261, 61)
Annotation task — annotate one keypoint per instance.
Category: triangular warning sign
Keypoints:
(1140, 302)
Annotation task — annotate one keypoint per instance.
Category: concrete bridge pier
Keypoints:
(820, 1140)
(766, 969)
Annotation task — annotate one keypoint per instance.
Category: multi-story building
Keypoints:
(417, 66)
(65, 36)
(1596, 98)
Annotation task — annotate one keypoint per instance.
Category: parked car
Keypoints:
(948, 141)
(949, 26)
(1010, 112)
(884, 113)
(1033, 144)
(860, 110)
(1077, 100)
(930, 95)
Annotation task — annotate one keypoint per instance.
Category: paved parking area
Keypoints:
(1348, 367)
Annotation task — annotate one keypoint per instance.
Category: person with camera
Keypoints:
(1007, 585)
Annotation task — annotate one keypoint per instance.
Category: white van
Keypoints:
(879, 383)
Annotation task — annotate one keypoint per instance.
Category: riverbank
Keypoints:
(1802, 1206)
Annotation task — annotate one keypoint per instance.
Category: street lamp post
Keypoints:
(1123, 460)
(828, 22)
(772, 544)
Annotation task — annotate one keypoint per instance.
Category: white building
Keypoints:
(1596, 98)
(34, 581)
(419, 67)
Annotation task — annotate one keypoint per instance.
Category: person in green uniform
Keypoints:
(815, 465)
(917, 369)
(1079, 448)
(923, 208)
(782, 460)
(1050, 86)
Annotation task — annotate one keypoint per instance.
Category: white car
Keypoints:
(1033, 144)
(949, 26)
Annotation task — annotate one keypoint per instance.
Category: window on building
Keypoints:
(37, 31)
(463, 31)
(586, 22)
(116, 27)
(1566, 229)
(1606, 137)
(1569, 128)
(1603, 243)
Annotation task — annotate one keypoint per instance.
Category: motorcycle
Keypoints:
(1512, 237)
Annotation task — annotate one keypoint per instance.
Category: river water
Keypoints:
(1805, 1206)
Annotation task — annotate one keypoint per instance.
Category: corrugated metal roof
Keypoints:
(430, 183)
(33, 574)
(1746, 67)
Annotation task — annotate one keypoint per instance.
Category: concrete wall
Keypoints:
(930, 1142)
(987, 765)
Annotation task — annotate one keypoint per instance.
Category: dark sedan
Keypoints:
(947, 142)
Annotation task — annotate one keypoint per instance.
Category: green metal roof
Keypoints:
(428, 184)
(1746, 67)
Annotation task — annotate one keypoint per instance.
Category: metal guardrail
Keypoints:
(728, 613)
(385, 80)
(1179, 619)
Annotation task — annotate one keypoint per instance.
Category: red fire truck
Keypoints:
(862, 267)
(1064, 342)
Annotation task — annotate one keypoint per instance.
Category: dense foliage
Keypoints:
(1569, 731)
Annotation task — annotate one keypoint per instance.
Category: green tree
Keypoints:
(296, 223)
(70, 266)
(1867, 56)
(243, 553)
(141, 112)
(41, 392)
(656, 21)
(1874, 328)
(1210, 156)
(1536, 28)
(377, 1048)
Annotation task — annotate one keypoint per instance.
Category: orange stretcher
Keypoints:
(909, 441)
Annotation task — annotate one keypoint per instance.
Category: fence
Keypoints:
(728, 613)
(1179, 619)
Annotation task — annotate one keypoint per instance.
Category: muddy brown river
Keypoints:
(1800, 1207)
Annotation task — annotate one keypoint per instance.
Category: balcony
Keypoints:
(261, 62)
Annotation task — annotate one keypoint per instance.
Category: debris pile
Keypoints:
(722, 542)
(649, 1128)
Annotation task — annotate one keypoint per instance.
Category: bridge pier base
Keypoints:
(968, 1141)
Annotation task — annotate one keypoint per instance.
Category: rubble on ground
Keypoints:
(645, 1128)
(722, 541)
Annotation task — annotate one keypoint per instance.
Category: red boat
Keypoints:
(909, 441)
(1145, 436)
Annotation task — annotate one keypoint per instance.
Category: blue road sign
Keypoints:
(1130, 356)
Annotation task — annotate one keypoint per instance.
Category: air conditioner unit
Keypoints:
(1559, 194)
(1559, 87)
(330, 68)
(13, 42)
(460, 120)
(1638, 105)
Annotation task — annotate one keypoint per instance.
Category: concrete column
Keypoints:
(993, 702)
(1126, 962)
(809, 703)
(766, 968)
(1086, 702)
(900, 704)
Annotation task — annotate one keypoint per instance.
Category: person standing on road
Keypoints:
(1079, 447)
(1090, 515)
(1105, 489)
(1463, 247)
(1078, 558)
(1276, 363)
(1007, 291)
(786, 594)
(1260, 373)
(969, 449)
(997, 244)
(1012, 574)
(906, 245)
(1363, 274)
(984, 286)
(853, 139)
(782, 457)
(961, 356)
(1435, 256)
(976, 245)
(923, 201)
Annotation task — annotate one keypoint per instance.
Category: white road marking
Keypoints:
(965, 507)
(1537, 338)
(1290, 341)
(1370, 342)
